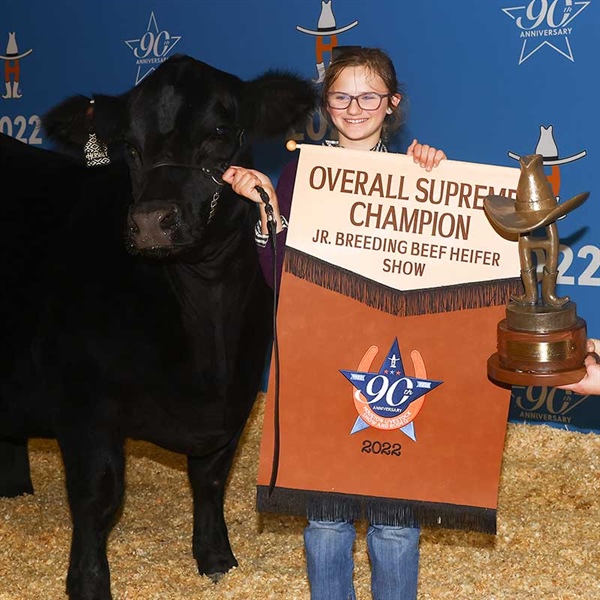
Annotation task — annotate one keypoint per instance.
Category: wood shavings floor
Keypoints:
(547, 546)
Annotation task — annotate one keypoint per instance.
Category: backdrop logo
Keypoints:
(12, 67)
(151, 48)
(546, 23)
(389, 399)
(548, 148)
(325, 35)
(326, 39)
(553, 406)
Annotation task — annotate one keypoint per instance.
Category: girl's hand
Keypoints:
(426, 156)
(244, 181)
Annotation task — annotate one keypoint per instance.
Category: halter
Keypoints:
(215, 173)
(205, 171)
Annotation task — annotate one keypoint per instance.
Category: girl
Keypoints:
(361, 98)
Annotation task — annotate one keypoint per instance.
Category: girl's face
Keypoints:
(359, 128)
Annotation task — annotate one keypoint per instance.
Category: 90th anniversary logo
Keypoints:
(388, 398)
(151, 48)
(546, 23)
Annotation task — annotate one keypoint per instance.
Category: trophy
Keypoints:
(541, 341)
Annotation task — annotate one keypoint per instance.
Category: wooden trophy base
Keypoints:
(539, 346)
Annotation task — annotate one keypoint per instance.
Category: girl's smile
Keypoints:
(359, 128)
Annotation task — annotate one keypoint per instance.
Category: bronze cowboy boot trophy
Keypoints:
(541, 341)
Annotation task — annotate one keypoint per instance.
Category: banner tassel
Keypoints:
(396, 302)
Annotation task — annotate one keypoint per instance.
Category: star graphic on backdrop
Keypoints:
(387, 393)
(151, 48)
(560, 43)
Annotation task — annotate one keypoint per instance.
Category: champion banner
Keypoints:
(393, 285)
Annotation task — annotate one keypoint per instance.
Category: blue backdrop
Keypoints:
(487, 81)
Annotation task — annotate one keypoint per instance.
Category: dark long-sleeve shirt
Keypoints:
(285, 190)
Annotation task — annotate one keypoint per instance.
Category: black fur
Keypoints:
(132, 309)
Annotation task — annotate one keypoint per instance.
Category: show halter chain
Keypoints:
(205, 171)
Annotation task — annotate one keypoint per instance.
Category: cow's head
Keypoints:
(179, 129)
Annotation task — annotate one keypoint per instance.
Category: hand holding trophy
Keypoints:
(541, 341)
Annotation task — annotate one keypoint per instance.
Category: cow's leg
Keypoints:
(15, 478)
(208, 476)
(94, 468)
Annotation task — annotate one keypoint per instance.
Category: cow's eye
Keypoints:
(222, 130)
(130, 149)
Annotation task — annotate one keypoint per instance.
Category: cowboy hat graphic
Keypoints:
(12, 51)
(546, 146)
(326, 23)
(326, 27)
(11, 67)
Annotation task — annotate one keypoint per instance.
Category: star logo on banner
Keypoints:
(388, 398)
(546, 24)
(152, 48)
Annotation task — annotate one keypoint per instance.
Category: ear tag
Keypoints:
(96, 152)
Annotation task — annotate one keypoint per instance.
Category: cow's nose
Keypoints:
(152, 228)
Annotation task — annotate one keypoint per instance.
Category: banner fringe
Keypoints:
(396, 302)
(330, 506)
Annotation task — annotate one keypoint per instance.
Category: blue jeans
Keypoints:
(394, 554)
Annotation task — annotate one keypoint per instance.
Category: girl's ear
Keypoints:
(395, 100)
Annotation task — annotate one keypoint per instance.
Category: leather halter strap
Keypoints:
(214, 172)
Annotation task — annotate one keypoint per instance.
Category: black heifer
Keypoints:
(136, 303)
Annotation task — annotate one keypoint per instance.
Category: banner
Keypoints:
(392, 289)
(401, 228)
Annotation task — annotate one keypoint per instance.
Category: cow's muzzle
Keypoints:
(154, 224)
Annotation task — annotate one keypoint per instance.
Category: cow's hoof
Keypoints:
(216, 567)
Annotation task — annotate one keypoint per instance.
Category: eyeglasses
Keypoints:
(366, 101)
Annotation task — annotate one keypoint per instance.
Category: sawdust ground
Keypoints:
(547, 546)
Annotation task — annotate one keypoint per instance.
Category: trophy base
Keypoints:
(539, 318)
(531, 378)
(539, 346)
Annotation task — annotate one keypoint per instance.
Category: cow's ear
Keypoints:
(109, 117)
(70, 123)
(276, 102)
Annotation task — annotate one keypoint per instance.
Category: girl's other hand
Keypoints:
(426, 156)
